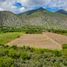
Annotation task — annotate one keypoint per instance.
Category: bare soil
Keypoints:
(45, 40)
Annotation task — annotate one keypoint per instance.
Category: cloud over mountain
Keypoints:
(19, 6)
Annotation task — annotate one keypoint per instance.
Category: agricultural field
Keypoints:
(7, 37)
(45, 40)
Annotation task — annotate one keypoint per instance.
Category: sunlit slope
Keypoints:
(38, 17)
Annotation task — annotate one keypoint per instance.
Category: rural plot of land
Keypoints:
(46, 40)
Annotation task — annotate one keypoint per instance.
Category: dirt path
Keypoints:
(45, 40)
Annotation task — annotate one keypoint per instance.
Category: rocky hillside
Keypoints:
(38, 17)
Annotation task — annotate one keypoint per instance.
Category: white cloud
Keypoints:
(31, 4)
(1, 9)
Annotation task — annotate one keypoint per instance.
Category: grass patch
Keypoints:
(65, 34)
(64, 46)
(65, 49)
(65, 52)
(7, 37)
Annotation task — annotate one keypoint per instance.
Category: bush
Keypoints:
(25, 55)
(31, 57)
(13, 53)
(6, 61)
(30, 29)
(64, 46)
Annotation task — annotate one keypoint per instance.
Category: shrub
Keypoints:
(32, 57)
(64, 46)
(13, 53)
(25, 55)
(6, 61)
(29, 29)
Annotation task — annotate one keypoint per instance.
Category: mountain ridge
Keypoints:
(62, 12)
(37, 17)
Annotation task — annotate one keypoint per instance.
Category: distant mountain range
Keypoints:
(39, 17)
(62, 12)
(42, 9)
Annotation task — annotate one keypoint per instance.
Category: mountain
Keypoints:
(34, 10)
(62, 12)
(39, 17)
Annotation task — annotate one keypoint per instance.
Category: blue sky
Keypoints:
(19, 6)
